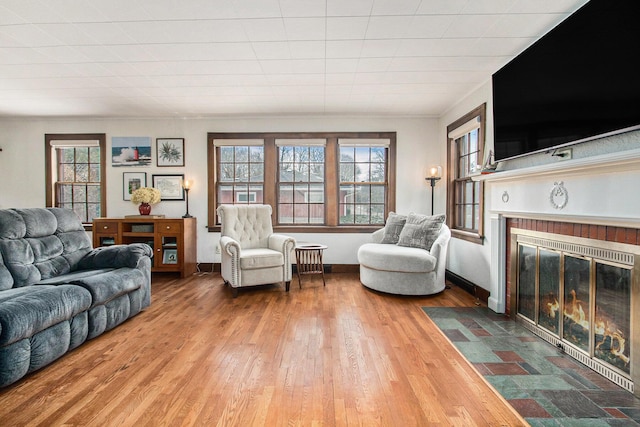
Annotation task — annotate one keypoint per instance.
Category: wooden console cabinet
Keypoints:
(173, 239)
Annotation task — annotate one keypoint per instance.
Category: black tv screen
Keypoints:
(579, 81)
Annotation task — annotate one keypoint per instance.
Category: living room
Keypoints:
(601, 167)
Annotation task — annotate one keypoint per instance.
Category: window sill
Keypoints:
(468, 236)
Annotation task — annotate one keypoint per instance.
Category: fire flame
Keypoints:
(575, 312)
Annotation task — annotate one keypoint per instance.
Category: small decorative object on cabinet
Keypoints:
(173, 239)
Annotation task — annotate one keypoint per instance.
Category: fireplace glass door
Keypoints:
(577, 282)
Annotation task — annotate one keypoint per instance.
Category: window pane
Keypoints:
(81, 210)
(301, 154)
(462, 170)
(286, 172)
(468, 216)
(377, 214)
(316, 172)
(362, 154)
(67, 155)
(316, 154)
(462, 145)
(79, 193)
(256, 193)
(67, 173)
(473, 141)
(347, 172)
(94, 155)
(347, 154)
(82, 155)
(256, 154)
(377, 172)
(93, 193)
(285, 194)
(242, 173)
(316, 213)
(94, 173)
(362, 172)
(301, 214)
(257, 172)
(82, 172)
(301, 173)
(468, 188)
(226, 154)
(316, 193)
(65, 194)
(362, 214)
(377, 194)
(225, 194)
(242, 154)
(300, 193)
(285, 213)
(226, 172)
(363, 194)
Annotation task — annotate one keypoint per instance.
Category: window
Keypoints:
(363, 182)
(325, 182)
(465, 196)
(75, 174)
(301, 181)
(240, 171)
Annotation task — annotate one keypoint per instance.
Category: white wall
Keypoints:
(470, 260)
(23, 179)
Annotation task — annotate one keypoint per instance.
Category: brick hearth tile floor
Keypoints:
(547, 387)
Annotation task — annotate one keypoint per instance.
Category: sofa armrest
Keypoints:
(376, 236)
(115, 256)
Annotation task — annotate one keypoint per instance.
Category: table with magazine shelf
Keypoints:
(173, 240)
(309, 260)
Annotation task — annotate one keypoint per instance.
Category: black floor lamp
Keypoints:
(435, 173)
(186, 185)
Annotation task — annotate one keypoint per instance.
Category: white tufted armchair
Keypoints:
(251, 253)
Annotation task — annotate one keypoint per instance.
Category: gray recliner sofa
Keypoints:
(56, 291)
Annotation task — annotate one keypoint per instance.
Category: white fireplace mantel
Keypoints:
(603, 190)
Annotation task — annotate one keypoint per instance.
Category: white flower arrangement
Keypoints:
(148, 195)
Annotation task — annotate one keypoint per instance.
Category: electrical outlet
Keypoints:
(218, 249)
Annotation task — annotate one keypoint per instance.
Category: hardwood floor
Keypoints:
(335, 355)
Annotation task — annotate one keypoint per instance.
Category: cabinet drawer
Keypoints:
(105, 227)
(169, 227)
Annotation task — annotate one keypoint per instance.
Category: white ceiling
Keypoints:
(192, 58)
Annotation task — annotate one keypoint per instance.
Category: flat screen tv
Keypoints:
(578, 82)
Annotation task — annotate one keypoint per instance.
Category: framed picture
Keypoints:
(131, 181)
(170, 256)
(130, 151)
(170, 186)
(170, 151)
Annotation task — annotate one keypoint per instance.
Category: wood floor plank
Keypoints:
(334, 355)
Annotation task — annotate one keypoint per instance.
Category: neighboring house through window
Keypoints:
(465, 205)
(75, 173)
(323, 181)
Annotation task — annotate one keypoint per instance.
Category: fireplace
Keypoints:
(580, 294)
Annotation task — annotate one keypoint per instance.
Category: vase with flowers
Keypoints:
(145, 197)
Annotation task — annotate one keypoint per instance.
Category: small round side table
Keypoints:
(309, 260)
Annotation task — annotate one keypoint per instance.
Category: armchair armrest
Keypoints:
(116, 256)
(282, 243)
(229, 246)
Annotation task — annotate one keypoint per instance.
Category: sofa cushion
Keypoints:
(107, 286)
(29, 310)
(260, 258)
(420, 231)
(396, 258)
(74, 275)
(393, 227)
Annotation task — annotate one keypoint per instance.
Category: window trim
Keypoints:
(331, 177)
(49, 167)
(452, 167)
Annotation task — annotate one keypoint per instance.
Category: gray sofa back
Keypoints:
(39, 243)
